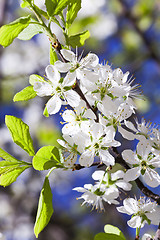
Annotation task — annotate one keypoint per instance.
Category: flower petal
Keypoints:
(52, 74)
(132, 174)
(54, 105)
(72, 98)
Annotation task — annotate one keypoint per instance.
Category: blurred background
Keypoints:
(126, 33)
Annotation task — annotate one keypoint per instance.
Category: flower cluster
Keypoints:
(101, 99)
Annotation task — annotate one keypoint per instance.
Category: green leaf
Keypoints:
(73, 9)
(45, 112)
(10, 31)
(113, 230)
(78, 39)
(46, 158)
(30, 31)
(107, 236)
(11, 176)
(24, 4)
(62, 4)
(20, 133)
(7, 157)
(35, 78)
(50, 6)
(53, 55)
(45, 208)
(41, 12)
(24, 95)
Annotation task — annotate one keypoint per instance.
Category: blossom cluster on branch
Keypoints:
(99, 104)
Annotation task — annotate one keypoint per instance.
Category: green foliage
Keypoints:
(45, 209)
(111, 233)
(78, 39)
(62, 4)
(10, 31)
(10, 168)
(45, 112)
(10, 175)
(26, 94)
(73, 9)
(53, 55)
(26, 3)
(46, 158)
(20, 133)
(50, 6)
(30, 31)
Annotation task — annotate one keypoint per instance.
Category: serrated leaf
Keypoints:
(78, 39)
(45, 208)
(53, 55)
(113, 230)
(35, 78)
(20, 133)
(73, 9)
(25, 95)
(10, 31)
(50, 6)
(11, 176)
(107, 236)
(46, 158)
(62, 4)
(45, 112)
(30, 31)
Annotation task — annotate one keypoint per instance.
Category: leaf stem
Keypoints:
(48, 174)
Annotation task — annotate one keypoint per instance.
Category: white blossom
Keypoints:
(57, 87)
(142, 211)
(143, 163)
(81, 68)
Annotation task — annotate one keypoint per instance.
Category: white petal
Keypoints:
(117, 175)
(70, 79)
(91, 60)
(72, 98)
(89, 114)
(70, 129)
(68, 55)
(106, 157)
(135, 222)
(53, 105)
(52, 74)
(129, 156)
(143, 148)
(62, 67)
(98, 175)
(69, 115)
(130, 125)
(43, 89)
(132, 174)
(87, 158)
(124, 185)
(131, 205)
(126, 134)
(152, 178)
